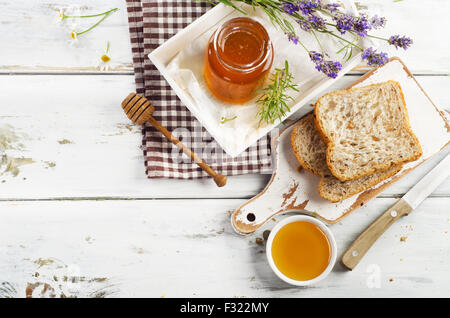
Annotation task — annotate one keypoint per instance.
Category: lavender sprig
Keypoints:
(309, 15)
(332, 7)
(329, 68)
(289, 8)
(400, 41)
(316, 22)
(308, 7)
(293, 38)
(304, 25)
(378, 22)
(344, 22)
(373, 57)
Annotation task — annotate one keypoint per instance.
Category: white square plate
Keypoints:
(180, 61)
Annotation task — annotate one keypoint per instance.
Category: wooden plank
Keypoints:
(81, 144)
(33, 42)
(423, 24)
(146, 248)
(44, 47)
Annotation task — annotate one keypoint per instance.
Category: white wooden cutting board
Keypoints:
(293, 188)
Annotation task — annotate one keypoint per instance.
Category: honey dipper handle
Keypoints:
(219, 179)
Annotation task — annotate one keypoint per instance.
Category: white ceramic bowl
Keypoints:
(327, 232)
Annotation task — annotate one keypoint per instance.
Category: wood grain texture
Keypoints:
(66, 139)
(83, 145)
(423, 24)
(33, 42)
(43, 45)
(146, 248)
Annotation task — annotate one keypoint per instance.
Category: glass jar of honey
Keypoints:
(239, 56)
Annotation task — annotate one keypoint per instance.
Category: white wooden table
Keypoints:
(79, 218)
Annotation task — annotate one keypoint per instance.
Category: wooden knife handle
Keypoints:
(364, 242)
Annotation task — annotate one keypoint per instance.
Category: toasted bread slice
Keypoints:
(310, 151)
(366, 130)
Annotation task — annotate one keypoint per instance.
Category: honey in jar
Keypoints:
(239, 56)
(301, 250)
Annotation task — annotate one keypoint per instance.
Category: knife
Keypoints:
(402, 207)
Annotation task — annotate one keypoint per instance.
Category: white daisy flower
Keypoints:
(74, 38)
(104, 62)
(60, 16)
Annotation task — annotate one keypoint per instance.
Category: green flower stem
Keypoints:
(377, 37)
(341, 38)
(303, 46)
(325, 12)
(100, 21)
(272, 9)
(351, 32)
(300, 42)
(91, 15)
(224, 119)
(320, 44)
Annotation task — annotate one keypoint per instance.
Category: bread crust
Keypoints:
(361, 199)
(330, 145)
(387, 174)
(294, 135)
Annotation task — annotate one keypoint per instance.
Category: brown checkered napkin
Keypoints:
(152, 22)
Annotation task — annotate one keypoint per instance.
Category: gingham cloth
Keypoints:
(151, 23)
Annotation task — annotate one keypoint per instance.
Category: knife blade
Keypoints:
(428, 184)
(404, 206)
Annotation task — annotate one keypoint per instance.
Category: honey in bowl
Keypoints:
(239, 56)
(301, 250)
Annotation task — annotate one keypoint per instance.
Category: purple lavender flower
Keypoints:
(316, 57)
(332, 7)
(361, 25)
(309, 6)
(344, 22)
(289, 7)
(374, 58)
(317, 22)
(304, 25)
(400, 41)
(329, 68)
(377, 22)
(293, 38)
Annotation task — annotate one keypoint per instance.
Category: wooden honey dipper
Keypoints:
(139, 110)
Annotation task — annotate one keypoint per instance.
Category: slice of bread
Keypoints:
(366, 130)
(310, 151)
